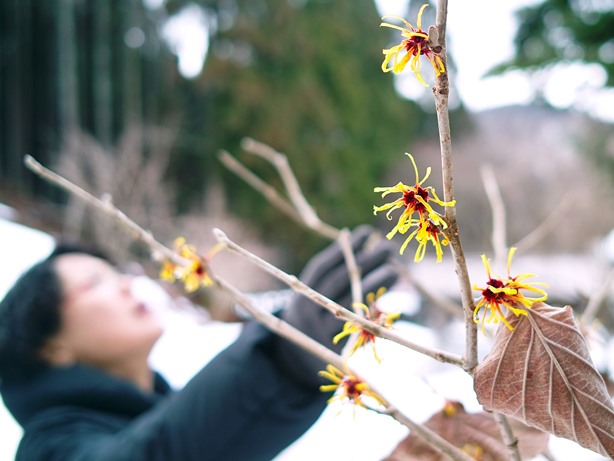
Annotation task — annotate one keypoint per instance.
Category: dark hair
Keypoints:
(30, 314)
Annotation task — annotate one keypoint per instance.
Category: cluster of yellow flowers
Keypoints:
(194, 273)
(415, 43)
(372, 313)
(429, 226)
(505, 292)
(418, 219)
(347, 386)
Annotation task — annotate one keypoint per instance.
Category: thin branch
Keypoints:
(596, 301)
(441, 92)
(510, 440)
(302, 211)
(499, 237)
(345, 240)
(546, 227)
(438, 300)
(296, 336)
(158, 250)
(433, 438)
(279, 326)
(280, 162)
(269, 192)
(336, 309)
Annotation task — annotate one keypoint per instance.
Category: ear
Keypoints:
(57, 352)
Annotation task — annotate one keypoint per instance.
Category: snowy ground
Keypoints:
(415, 384)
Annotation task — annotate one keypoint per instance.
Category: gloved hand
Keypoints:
(327, 273)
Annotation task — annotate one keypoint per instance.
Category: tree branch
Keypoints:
(441, 92)
(270, 321)
(336, 309)
(510, 440)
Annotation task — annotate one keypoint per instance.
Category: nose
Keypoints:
(125, 283)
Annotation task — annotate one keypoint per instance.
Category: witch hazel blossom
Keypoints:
(348, 388)
(195, 273)
(415, 44)
(417, 200)
(506, 293)
(372, 313)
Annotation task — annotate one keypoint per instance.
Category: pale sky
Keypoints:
(480, 35)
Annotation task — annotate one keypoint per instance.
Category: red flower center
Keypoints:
(489, 295)
(410, 200)
(350, 387)
(412, 44)
(368, 336)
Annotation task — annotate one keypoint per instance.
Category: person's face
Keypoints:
(102, 323)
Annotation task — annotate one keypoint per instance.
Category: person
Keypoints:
(74, 344)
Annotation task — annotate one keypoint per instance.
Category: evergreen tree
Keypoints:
(305, 78)
(556, 31)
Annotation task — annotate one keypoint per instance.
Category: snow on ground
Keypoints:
(20, 247)
(414, 383)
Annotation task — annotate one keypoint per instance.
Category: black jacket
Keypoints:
(242, 406)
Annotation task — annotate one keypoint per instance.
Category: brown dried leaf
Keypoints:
(477, 433)
(542, 374)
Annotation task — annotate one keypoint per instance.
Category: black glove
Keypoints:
(327, 273)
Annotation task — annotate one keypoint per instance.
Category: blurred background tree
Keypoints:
(555, 32)
(302, 76)
(554, 37)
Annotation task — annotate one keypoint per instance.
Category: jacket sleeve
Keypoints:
(241, 406)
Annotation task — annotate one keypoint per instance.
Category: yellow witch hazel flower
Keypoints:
(195, 273)
(371, 313)
(415, 44)
(348, 387)
(415, 199)
(426, 232)
(506, 293)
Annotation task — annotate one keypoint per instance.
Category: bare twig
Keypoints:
(438, 300)
(299, 210)
(542, 231)
(499, 237)
(595, 302)
(280, 162)
(158, 250)
(510, 440)
(345, 240)
(333, 307)
(431, 437)
(269, 192)
(441, 92)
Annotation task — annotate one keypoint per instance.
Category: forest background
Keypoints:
(96, 90)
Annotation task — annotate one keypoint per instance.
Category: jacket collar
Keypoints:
(78, 386)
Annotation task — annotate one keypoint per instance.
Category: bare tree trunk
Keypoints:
(67, 67)
(101, 75)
